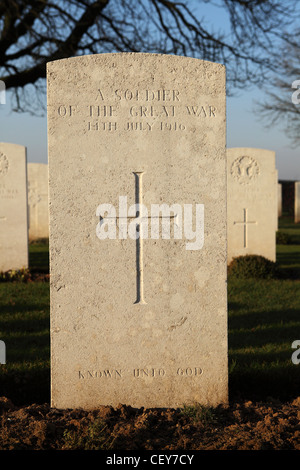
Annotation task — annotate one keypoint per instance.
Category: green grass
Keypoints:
(24, 327)
(288, 256)
(263, 321)
(96, 436)
(199, 413)
(39, 256)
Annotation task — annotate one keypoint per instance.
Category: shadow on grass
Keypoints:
(289, 265)
(29, 348)
(257, 321)
(25, 378)
(39, 257)
(287, 222)
(25, 385)
(12, 308)
(234, 306)
(281, 382)
(288, 258)
(39, 262)
(260, 355)
(24, 327)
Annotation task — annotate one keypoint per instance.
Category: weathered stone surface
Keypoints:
(252, 198)
(38, 200)
(140, 322)
(13, 207)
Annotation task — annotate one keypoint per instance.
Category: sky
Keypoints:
(244, 129)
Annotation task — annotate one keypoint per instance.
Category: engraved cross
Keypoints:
(245, 222)
(139, 217)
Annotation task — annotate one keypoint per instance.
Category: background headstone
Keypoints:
(252, 198)
(13, 207)
(38, 200)
(111, 118)
(297, 202)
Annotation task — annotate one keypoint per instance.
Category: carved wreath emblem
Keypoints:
(33, 197)
(3, 164)
(245, 169)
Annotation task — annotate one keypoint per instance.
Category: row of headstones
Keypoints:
(252, 191)
(24, 212)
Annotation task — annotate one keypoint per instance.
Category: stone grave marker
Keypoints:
(38, 200)
(13, 207)
(137, 187)
(252, 198)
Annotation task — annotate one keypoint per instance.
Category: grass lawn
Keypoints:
(24, 327)
(263, 321)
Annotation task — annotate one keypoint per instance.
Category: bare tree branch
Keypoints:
(34, 32)
(278, 108)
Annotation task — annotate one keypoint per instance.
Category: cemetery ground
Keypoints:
(264, 399)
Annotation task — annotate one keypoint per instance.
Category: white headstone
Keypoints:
(38, 200)
(252, 198)
(13, 207)
(134, 319)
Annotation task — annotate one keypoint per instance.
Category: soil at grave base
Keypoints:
(239, 426)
